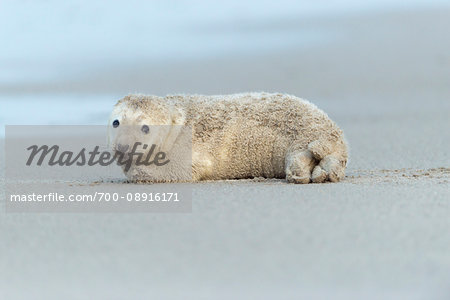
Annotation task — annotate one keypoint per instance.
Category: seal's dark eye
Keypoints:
(145, 129)
(116, 123)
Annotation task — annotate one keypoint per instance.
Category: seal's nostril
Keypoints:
(121, 148)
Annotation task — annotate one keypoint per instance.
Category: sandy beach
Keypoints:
(383, 232)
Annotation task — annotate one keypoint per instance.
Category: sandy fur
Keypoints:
(242, 136)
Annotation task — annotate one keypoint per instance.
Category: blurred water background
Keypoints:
(54, 54)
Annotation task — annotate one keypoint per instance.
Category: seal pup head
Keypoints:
(148, 120)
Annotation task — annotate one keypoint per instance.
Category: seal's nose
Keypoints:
(121, 148)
